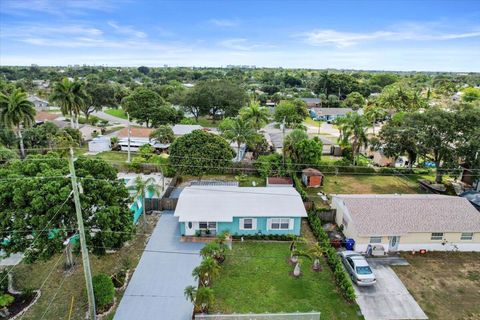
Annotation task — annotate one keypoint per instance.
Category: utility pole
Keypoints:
(83, 242)
(129, 132)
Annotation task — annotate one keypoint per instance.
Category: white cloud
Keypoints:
(55, 7)
(224, 22)
(127, 30)
(410, 32)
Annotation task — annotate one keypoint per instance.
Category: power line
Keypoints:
(38, 236)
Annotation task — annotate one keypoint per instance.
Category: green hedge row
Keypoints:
(341, 277)
(279, 237)
(298, 185)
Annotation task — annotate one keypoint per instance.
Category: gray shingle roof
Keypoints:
(397, 214)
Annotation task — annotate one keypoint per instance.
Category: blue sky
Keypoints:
(381, 35)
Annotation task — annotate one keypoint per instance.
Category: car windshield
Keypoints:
(364, 270)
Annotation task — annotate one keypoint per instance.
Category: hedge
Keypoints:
(104, 290)
(341, 277)
(278, 237)
(298, 185)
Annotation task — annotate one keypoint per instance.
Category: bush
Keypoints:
(333, 260)
(104, 290)
(6, 300)
(276, 237)
(298, 185)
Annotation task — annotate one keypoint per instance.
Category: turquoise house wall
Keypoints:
(234, 227)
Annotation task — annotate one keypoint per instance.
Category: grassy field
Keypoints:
(73, 286)
(311, 122)
(207, 122)
(119, 113)
(444, 284)
(255, 278)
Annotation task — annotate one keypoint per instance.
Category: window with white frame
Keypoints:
(375, 239)
(203, 225)
(248, 224)
(437, 236)
(280, 223)
(466, 236)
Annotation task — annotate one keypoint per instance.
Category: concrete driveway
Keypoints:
(165, 269)
(388, 298)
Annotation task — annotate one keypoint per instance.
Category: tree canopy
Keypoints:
(201, 152)
(36, 196)
(293, 112)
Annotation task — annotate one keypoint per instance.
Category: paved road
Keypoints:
(113, 119)
(156, 289)
(388, 299)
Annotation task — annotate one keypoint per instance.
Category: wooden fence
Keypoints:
(327, 215)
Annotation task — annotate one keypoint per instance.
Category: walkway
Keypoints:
(156, 289)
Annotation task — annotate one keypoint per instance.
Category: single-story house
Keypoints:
(239, 210)
(328, 114)
(279, 182)
(326, 145)
(407, 222)
(138, 138)
(311, 102)
(312, 178)
(183, 129)
(39, 103)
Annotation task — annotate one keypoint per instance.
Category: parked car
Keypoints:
(358, 268)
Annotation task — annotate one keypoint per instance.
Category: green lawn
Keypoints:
(255, 278)
(119, 113)
(207, 122)
(310, 121)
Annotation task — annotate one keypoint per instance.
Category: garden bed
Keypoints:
(21, 304)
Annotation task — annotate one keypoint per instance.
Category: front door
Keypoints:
(393, 244)
(190, 228)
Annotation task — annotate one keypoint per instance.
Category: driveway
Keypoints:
(388, 298)
(165, 269)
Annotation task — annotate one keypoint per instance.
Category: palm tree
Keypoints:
(206, 271)
(238, 131)
(15, 111)
(202, 298)
(255, 114)
(70, 96)
(142, 187)
(353, 130)
(374, 113)
(298, 262)
(291, 142)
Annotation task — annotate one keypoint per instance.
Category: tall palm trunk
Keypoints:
(72, 124)
(238, 150)
(20, 138)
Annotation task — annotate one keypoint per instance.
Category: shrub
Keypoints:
(6, 300)
(104, 290)
(298, 185)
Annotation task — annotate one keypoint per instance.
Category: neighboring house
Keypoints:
(473, 197)
(379, 158)
(279, 182)
(138, 138)
(407, 222)
(326, 145)
(42, 116)
(311, 102)
(183, 129)
(328, 114)
(468, 177)
(274, 137)
(312, 178)
(39, 103)
(239, 210)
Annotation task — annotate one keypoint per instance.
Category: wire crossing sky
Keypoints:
(422, 35)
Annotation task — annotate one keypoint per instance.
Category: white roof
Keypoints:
(183, 129)
(222, 203)
(397, 214)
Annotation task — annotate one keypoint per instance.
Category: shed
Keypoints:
(279, 182)
(312, 178)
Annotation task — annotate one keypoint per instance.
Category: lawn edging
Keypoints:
(333, 260)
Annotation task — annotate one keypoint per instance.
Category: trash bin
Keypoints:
(349, 243)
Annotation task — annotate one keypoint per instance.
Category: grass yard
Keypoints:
(311, 122)
(114, 156)
(368, 184)
(73, 286)
(119, 113)
(255, 278)
(446, 285)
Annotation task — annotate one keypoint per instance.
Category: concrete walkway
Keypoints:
(388, 299)
(165, 269)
